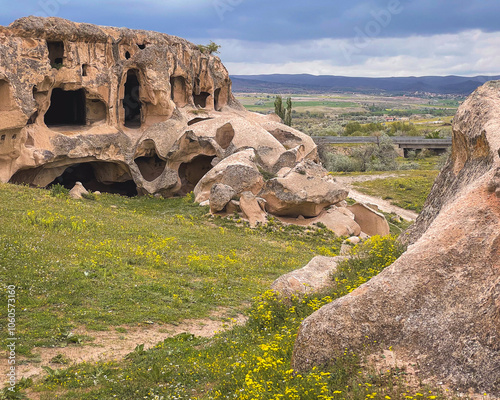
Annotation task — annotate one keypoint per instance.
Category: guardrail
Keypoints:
(410, 142)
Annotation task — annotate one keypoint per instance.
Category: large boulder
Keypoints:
(371, 222)
(338, 219)
(438, 305)
(306, 190)
(238, 171)
(316, 275)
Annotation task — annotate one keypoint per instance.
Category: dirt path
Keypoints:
(115, 345)
(383, 205)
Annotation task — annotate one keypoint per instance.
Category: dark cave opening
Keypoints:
(131, 101)
(56, 53)
(200, 100)
(191, 172)
(67, 107)
(85, 173)
(151, 167)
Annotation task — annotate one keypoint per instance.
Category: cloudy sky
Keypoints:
(332, 37)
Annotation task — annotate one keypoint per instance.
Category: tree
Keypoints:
(285, 113)
(278, 107)
(211, 48)
(288, 113)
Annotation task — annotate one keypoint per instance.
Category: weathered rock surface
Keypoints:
(371, 222)
(438, 305)
(251, 209)
(77, 191)
(220, 195)
(316, 275)
(123, 111)
(337, 219)
(238, 171)
(306, 190)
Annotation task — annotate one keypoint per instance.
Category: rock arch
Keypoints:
(150, 164)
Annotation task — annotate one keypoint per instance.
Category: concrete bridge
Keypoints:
(404, 143)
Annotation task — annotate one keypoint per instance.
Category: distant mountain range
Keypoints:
(280, 83)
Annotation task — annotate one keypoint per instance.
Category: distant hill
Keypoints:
(280, 83)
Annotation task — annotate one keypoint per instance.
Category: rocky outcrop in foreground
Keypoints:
(438, 305)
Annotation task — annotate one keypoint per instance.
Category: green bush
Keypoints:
(58, 190)
(342, 163)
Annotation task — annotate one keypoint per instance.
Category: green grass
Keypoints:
(115, 261)
(123, 261)
(409, 190)
(248, 362)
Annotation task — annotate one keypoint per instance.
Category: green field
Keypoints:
(408, 190)
(116, 263)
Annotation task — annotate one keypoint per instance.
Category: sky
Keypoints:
(367, 38)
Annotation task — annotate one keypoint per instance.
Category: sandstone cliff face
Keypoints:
(438, 305)
(121, 110)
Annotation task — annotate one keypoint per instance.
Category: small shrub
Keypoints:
(58, 190)
(89, 196)
(60, 359)
(342, 163)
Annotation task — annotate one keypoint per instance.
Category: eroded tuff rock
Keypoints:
(438, 305)
(315, 276)
(124, 111)
(306, 190)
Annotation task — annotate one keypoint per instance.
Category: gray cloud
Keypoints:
(361, 37)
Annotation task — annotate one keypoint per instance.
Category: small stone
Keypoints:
(77, 191)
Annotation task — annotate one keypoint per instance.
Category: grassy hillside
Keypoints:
(115, 262)
(122, 260)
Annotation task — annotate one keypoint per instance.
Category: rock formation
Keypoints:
(124, 111)
(315, 276)
(137, 112)
(438, 305)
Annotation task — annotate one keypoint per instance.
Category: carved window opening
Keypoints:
(131, 101)
(56, 53)
(141, 46)
(151, 167)
(66, 108)
(200, 100)
(191, 172)
(127, 55)
(85, 69)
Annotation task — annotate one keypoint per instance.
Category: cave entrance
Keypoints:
(131, 101)
(191, 172)
(151, 167)
(178, 90)
(66, 108)
(56, 53)
(87, 173)
(200, 100)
